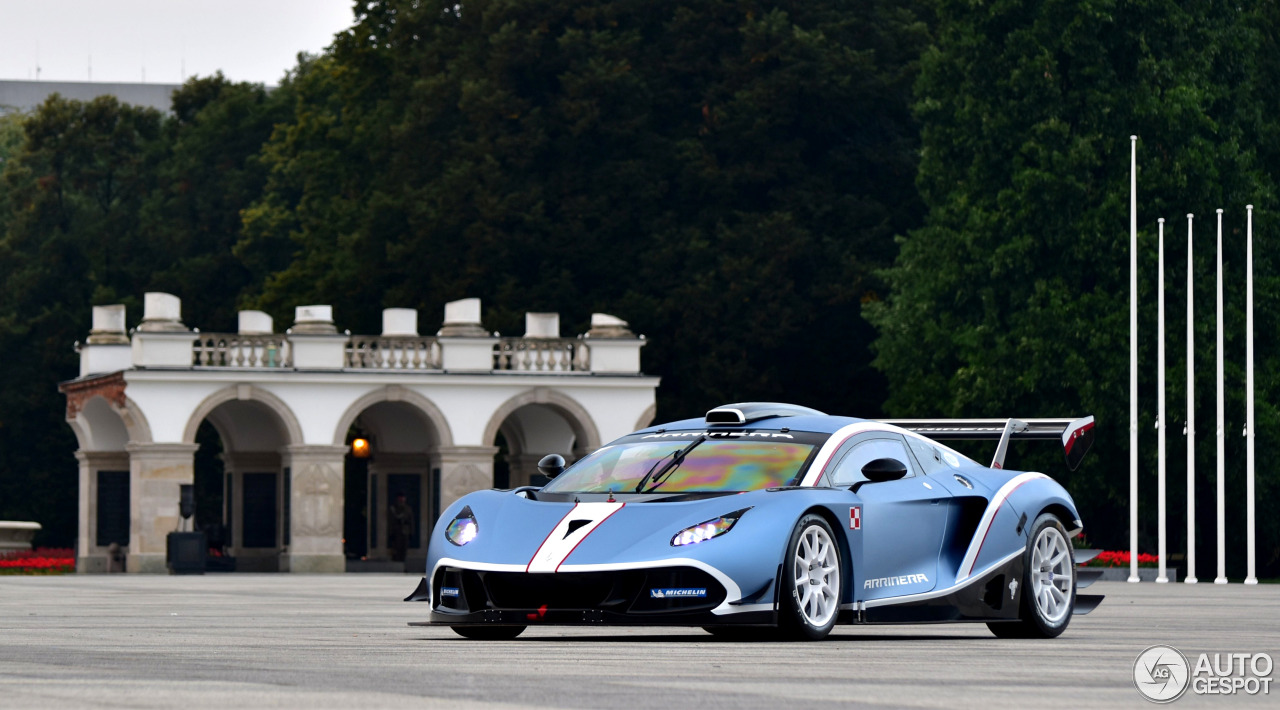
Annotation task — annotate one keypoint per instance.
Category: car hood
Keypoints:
(513, 530)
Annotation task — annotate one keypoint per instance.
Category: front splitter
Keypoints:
(595, 617)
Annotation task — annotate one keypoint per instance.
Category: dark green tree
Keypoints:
(1013, 298)
(73, 191)
(101, 202)
(210, 173)
(725, 174)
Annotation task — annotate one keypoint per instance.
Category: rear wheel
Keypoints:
(489, 633)
(810, 581)
(1048, 584)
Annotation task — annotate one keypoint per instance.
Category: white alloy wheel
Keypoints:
(816, 571)
(1051, 575)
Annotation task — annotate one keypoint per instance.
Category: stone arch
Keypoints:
(91, 436)
(647, 417)
(577, 416)
(249, 393)
(432, 415)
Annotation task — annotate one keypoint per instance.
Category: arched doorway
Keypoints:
(532, 425)
(103, 431)
(402, 434)
(243, 477)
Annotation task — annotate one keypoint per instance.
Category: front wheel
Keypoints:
(810, 581)
(1048, 584)
(488, 633)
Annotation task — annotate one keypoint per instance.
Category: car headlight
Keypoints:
(706, 530)
(463, 528)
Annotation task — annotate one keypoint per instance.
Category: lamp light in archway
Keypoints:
(360, 448)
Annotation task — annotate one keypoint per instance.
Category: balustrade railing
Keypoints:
(541, 355)
(233, 350)
(393, 353)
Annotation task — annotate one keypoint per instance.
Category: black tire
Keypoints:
(1041, 619)
(488, 633)
(799, 620)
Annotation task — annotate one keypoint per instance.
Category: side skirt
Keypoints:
(993, 596)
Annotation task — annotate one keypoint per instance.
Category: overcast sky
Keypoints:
(249, 40)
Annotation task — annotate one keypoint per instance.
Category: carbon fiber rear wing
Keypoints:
(1076, 435)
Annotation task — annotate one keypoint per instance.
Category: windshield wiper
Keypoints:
(661, 469)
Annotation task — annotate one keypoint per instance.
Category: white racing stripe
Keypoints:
(560, 543)
(989, 516)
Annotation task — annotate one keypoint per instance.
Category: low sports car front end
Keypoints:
(704, 560)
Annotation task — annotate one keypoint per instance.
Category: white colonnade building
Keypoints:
(287, 407)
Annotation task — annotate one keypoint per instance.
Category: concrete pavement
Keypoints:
(341, 641)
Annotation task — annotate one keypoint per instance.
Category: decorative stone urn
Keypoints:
(15, 535)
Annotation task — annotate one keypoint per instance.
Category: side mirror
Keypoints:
(551, 465)
(881, 470)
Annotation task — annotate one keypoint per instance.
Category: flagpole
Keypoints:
(1191, 412)
(1222, 442)
(1162, 577)
(1133, 359)
(1249, 423)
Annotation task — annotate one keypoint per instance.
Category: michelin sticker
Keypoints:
(677, 593)
(448, 591)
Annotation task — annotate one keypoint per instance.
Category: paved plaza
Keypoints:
(341, 641)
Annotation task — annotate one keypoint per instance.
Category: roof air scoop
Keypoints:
(747, 412)
(726, 415)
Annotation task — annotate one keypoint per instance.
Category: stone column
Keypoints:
(522, 467)
(464, 469)
(90, 558)
(155, 472)
(315, 509)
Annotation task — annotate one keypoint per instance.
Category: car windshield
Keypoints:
(711, 466)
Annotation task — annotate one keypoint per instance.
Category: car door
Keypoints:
(901, 522)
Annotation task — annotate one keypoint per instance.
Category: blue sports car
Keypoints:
(770, 515)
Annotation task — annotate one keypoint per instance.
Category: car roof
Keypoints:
(821, 424)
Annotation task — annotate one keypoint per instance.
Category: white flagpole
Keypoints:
(1249, 424)
(1190, 431)
(1222, 452)
(1133, 359)
(1162, 577)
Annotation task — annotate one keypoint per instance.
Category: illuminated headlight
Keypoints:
(707, 530)
(463, 528)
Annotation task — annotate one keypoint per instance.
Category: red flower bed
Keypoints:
(1116, 558)
(43, 560)
(1121, 558)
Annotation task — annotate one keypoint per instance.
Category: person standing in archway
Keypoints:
(400, 524)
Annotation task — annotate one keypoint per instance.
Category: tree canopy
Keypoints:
(1014, 295)
(727, 175)
(914, 208)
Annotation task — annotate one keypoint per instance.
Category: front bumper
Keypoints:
(594, 617)
(657, 596)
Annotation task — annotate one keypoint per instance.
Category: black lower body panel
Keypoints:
(994, 596)
(594, 617)
(661, 596)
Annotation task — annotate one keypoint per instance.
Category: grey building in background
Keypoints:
(27, 95)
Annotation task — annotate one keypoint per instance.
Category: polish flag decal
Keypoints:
(855, 517)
